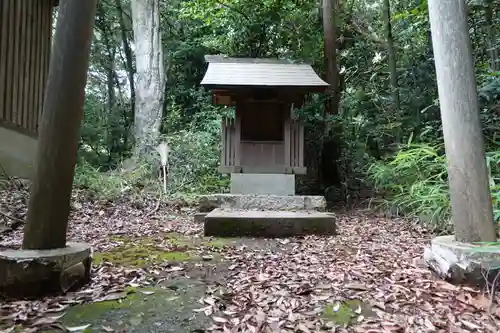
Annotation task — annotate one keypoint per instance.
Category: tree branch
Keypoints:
(233, 9)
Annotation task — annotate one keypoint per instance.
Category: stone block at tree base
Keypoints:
(34, 273)
(462, 263)
(270, 224)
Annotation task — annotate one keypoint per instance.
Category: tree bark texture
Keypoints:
(150, 83)
(392, 54)
(491, 35)
(330, 55)
(471, 204)
(129, 61)
(49, 205)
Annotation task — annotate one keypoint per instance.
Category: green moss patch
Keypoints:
(346, 313)
(219, 242)
(138, 255)
(146, 251)
(183, 240)
(138, 309)
(142, 252)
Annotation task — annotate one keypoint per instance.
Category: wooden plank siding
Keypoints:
(25, 43)
(285, 156)
(228, 146)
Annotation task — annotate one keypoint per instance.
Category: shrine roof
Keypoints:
(258, 72)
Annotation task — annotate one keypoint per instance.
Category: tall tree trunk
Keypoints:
(491, 36)
(49, 205)
(109, 57)
(392, 54)
(129, 61)
(329, 154)
(471, 205)
(330, 54)
(150, 74)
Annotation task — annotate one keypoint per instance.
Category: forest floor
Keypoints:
(155, 272)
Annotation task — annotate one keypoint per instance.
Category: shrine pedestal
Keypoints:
(271, 184)
(207, 203)
(268, 224)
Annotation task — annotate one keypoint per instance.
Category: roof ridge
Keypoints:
(220, 58)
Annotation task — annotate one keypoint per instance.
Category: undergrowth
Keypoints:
(192, 170)
(414, 183)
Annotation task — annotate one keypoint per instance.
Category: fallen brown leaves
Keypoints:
(284, 286)
(93, 222)
(374, 260)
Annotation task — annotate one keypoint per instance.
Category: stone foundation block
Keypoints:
(462, 263)
(269, 224)
(199, 217)
(271, 184)
(35, 273)
(208, 203)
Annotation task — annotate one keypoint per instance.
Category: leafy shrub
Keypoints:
(193, 162)
(112, 184)
(493, 160)
(415, 183)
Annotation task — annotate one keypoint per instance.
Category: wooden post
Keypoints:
(471, 205)
(287, 145)
(237, 140)
(49, 205)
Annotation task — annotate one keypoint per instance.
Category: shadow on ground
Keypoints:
(171, 304)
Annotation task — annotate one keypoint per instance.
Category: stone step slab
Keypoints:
(268, 223)
(207, 203)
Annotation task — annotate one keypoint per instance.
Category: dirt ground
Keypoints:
(155, 272)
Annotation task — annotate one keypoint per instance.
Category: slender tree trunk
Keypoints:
(392, 54)
(103, 26)
(330, 54)
(129, 61)
(49, 205)
(329, 154)
(471, 205)
(491, 36)
(150, 74)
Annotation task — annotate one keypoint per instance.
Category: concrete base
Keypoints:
(17, 153)
(462, 263)
(251, 183)
(209, 202)
(200, 217)
(270, 224)
(35, 273)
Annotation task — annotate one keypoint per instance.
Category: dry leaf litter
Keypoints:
(297, 285)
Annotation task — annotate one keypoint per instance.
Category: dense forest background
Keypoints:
(385, 139)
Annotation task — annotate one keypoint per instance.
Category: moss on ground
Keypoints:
(219, 242)
(146, 251)
(141, 255)
(146, 310)
(183, 240)
(346, 313)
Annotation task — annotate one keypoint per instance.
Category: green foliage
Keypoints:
(367, 132)
(113, 184)
(415, 183)
(193, 163)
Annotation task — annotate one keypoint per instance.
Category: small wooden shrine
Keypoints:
(263, 146)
